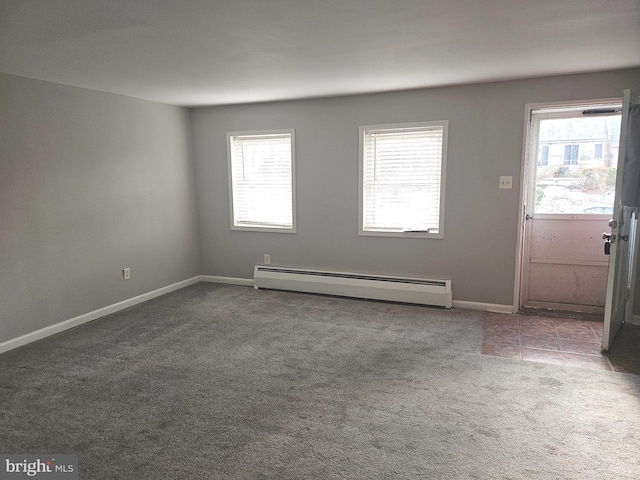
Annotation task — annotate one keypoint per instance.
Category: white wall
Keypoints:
(481, 222)
(90, 183)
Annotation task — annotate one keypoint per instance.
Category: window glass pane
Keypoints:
(402, 178)
(577, 159)
(545, 155)
(261, 168)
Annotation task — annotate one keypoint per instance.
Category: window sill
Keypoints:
(263, 229)
(416, 234)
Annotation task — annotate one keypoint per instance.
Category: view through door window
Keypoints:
(577, 155)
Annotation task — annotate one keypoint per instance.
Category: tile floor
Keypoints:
(561, 341)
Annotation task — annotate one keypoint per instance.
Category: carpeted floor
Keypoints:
(225, 382)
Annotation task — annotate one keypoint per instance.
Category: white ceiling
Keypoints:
(209, 52)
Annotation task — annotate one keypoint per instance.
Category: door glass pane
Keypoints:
(576, 164)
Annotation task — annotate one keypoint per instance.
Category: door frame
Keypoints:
(525, 173)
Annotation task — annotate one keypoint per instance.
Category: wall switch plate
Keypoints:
(506, 182)
(126, 273)
(267, 259)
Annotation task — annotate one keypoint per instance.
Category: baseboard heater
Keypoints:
(375, 287)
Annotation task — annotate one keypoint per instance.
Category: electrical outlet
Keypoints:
(506, 183)
(267, 259)
(126, 273)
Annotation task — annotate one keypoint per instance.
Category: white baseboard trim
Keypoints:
(88, 317)
(245, 282)
(486, 307)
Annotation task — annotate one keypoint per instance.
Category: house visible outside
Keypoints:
(576, 164)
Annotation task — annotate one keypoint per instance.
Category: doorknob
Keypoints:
(607, 242)
(607, 237)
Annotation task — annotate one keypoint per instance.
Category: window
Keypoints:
(571, 154)
(544, 150)
(598, 151)
(579, 175)
(402, 178)
(262, 180)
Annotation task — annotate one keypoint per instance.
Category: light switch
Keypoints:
(506, 182)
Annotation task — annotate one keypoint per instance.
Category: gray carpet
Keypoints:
(225, 382)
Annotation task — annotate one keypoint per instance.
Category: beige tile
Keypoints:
(542, 356)
(587, 361)
(586, 348)
(579, 336)
(573, 325)
(537, 321)
(538, 330)
(560, 341)
(507, 351)
(499, 329)
(540, 343)
(505, 338)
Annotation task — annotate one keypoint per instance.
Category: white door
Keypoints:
(622, 241)
(572, 160)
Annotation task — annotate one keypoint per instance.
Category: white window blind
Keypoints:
(261, 167)
(402, 179)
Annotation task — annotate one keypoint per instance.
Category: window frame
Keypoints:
(556, 110)
(258, 228)
(444, 124)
